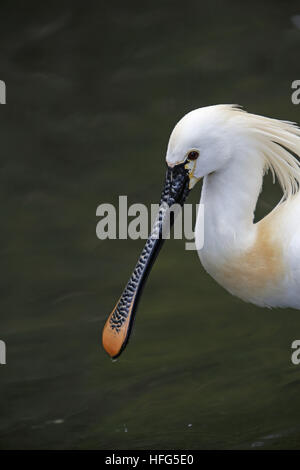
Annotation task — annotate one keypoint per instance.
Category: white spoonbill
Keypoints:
(258, 262)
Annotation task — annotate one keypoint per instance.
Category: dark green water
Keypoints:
(93, 92)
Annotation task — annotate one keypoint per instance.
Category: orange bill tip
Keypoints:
(114, 339)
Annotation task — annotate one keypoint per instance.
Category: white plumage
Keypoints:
(259, 262)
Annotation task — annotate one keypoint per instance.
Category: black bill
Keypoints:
(118, 326)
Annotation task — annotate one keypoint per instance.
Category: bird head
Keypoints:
(201, 142)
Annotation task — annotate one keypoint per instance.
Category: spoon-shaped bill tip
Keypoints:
(116, 332)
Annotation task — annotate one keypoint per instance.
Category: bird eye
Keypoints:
(193, 155)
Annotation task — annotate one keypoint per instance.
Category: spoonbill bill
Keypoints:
(257, 262)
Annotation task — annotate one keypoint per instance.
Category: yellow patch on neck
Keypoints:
(260, 268)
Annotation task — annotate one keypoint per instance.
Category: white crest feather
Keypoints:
(276, 140)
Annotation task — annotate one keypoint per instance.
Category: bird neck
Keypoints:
(230, 196)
